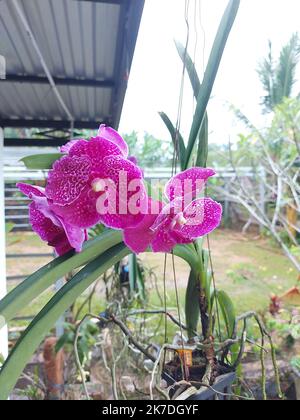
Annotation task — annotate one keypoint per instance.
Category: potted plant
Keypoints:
(79, 194)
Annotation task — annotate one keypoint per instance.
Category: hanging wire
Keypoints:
(175, 163)
(177, 298)
(203, 34)
(195, 49)
(174, 168)
(180, 102)
(217, 309)
(178, 121)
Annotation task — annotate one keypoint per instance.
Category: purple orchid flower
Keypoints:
(50, 227)
(181, 221)
(96, 182)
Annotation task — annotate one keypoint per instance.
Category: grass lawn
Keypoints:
(247, 267)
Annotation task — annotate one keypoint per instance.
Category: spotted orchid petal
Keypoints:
(163, 241)
(67, 179)
(168, 212)
(48, 231)
(37, 194)
(127, 200)
(188, 184)
(48, 225)
(139, 238)
(76, 237)
(200, 218)
(82, 213)
(31, 190)
(185, 219)
(66, 148)
(113, 136)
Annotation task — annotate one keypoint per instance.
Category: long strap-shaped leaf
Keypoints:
(192, 303)
(60, 302)
(190, 67)
(211, 72)
(38, 282)
(202, 145)
(43, 322)
(172, 130)
(202, 152)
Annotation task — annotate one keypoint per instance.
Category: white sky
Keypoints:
(156, 72)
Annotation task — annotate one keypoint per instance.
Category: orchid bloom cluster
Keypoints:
(97, 182)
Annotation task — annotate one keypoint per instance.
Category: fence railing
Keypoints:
(16, 204)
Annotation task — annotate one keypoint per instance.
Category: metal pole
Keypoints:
(3, 327)
(59, 326)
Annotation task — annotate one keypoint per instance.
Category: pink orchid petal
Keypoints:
(139, 238)
(82, 213)
(202, 217)
(78, 148)
(163, 241)
(62, 247)
(188, 183)
(76, 236)
(96, 150)
(42, 205)
(133, 159)
(67, 179)
(54, 235)
(167, 213)
(113, 136)
(31, 190)
(66, 148)
(48, 225)
(122, 210)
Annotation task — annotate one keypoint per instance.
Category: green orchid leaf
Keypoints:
(211, 73)
(192, 311)
(181, 146)
(38, 282)
(41, 161)
(228, 311)
(60, 302)
(47, 317)
(202, 151)
(190, 67)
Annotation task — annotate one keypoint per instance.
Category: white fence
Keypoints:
(16, 205)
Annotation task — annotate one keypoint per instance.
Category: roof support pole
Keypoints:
(3, 328)
(43, 63)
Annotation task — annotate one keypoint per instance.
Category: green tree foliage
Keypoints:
(278, 77)
(149, 150)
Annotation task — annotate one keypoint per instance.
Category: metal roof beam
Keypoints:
(18, 142)
(64, 81)
(36, 47)
(105, 1)
(58, 124)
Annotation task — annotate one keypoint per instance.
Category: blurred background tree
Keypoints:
(149, 150)
(278, 77)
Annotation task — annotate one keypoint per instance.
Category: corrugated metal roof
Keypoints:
(88, 47)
